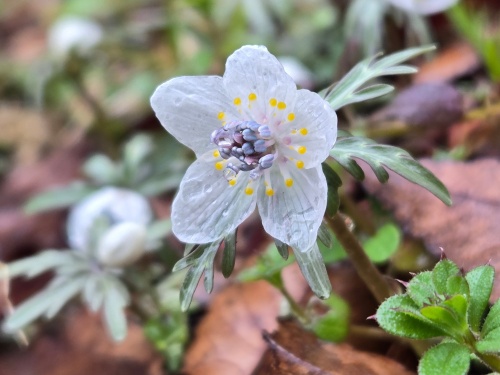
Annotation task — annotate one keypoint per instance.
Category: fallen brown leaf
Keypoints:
(453, 62)
(468, 230)
(292, 350)
(81, 347)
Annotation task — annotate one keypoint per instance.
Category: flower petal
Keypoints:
(207, 207)
(293, 213)
(310, 136)
(191, 108)
(253, 78)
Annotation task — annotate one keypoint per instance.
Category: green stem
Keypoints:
(373, 279)
(297, 310)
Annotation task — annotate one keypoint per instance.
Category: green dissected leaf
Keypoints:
(93, 292)
(136, 150)
(158, 230)
(282, 249)
(102, 170)
(380, 157)
(48, 302)
(420, 289)
(40, 263)
(457, 285)
(400, 316)
(334, 182)
(345, 91)
(203, 262)
(58, 198)
(229, 255)
(313, 268)
(115, 302)
(325, 235)
(492, 320)
(191, 258)
(480, 282)
(447, 358)
(490, 343)
(383, 244)
(367, 93)
(268, 266)
(443, 270)
(334, 325)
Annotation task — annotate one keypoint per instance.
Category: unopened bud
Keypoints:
(122, 245)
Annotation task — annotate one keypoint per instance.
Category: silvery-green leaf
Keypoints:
(333, 182)
(379, 157)
(229, 254)
(368, 93)
(40, 263)
(400, 69)
(114, 312)
(136, 150)
(58, 197)
(93, 293)
(156, 232)
(101, 169)
(157, 185)
(282, 249)
(48, 301)
(208, 281)
(190, 259)
(203, 262)
(325, 235)
(399, 57)
(313, 268)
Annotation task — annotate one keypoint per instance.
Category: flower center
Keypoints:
(247, 141)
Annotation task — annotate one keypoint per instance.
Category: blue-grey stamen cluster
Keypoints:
(247, 141)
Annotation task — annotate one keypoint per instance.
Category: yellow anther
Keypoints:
(252, 96)
(281, 105)
(291, 116)
(288, 182)
(302, 150)
(294, 131)
(248, 191)
(232, 182)
(219, 166)
(269, 192)
(221, 115)
(216, 154)
(273, 102)
(300, 164)
(303, 131)
(237, 101)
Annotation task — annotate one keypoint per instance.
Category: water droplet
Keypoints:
(207, 188)
(229, 174)
(225, 212)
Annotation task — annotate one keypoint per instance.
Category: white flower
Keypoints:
(259, 142)
(423, 6)
(122, 244)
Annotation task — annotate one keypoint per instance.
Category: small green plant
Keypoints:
(449, 304)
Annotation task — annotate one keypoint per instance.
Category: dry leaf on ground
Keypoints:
(291, 350)
(468, 230)
(81, 347)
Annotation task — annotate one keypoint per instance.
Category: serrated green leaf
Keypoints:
(101, 169)
(492, 320)
(443, 270)
(58, 198)
(380, 157)
(447, 358)
(325, 235)
(229, 255)
(399, 316)
(383, 244)
(480, 281)
(204, 262)
(313, 268)
(333, 182)
(334, 325)
(114, 312)
(282, 249)
(421, 289)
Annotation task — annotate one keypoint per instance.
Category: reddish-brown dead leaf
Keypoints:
(292, 350)
(81, 347)
(453, 62)
(468, 230)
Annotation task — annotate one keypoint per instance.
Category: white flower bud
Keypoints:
(73, 33)
(119, 205)
(121, 245)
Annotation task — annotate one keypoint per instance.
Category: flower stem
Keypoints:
(370, 275)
